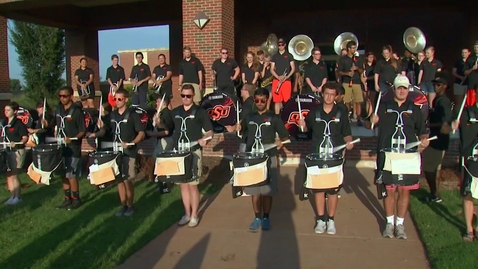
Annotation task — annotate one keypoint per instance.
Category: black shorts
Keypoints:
(329, 191)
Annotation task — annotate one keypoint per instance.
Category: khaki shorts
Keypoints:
(197, 92)
(16, 159)
(197, 167)
(128, 169)
(432, 159)
(354, 91)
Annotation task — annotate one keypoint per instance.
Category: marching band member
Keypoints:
(386, 70)
(282, 68)
(458, 71)
(105, 117)
(341, 133)
(40, 130)
(413, 126)
(266, 73)
(130, 132)
(163, 70)
(428, 68)
(84, 79)
(316, 73)
(439, 123)
(115, 75)
(71, 123)
(471, 67)
(262, 195)
(139, 77)
(189, 191)
(14, 131)
(191, 72)
(247, 94)
(350, 70)
(225, 72)
(250, 70)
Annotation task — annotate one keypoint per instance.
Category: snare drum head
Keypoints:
(415, 96)
(290, 113)
(221, 109)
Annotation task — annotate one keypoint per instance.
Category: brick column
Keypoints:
(79, 44)
(5, 73)
(218, 32)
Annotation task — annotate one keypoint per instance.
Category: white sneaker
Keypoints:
(320, 227)
(16, 200)
(184, 220)
(9, 201)
(193, 222)
(331, 227)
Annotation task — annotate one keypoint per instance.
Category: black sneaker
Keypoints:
(434, 199)
(66, 203)
(75, 203)
(163, 188)
(121, 211)
(129, 211)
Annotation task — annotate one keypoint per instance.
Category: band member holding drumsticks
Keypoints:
(439, 123)
(316, 73)
(428, 68)
(225, 72)
(247, 94)
(14, 131)
(84, 79)
(39, 129)
(250, 70)
(191, 71)
(282, 68)
(74, 131)
(413, 126)
(341, 133)
(115, 76)
(262, 195)
(189, 191)
(139, 77)
(163, 70)
(130, 132)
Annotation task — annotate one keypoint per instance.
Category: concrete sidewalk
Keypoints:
(222, 239)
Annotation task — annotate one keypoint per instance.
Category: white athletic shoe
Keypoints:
(9, 201)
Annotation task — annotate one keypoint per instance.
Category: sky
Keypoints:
(110, 41)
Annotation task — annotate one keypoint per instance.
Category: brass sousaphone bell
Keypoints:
(270, 46)
(341, 41)
(414, 40)
(300, 46)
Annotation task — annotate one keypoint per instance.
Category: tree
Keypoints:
(41, 54)
(15, 85)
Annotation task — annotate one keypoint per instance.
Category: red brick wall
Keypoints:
(79, 44)
(218, 33)
(5, 72)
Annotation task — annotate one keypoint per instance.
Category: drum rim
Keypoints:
(174, 151)
(49, 147)
(338, 155)
(406, 151)
(110, 152)
(249, 155)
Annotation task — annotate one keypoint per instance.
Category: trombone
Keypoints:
(280, 82)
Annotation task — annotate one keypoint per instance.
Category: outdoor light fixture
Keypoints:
(201, 19)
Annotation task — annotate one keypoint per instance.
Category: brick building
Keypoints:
(236, 25)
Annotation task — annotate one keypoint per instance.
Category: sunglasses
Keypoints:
(189, 96)
(63, 95)
(223, 52)
(438, 84)
(118, 99)
(281, 44)
(262, 101)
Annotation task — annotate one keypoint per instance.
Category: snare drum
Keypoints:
(221, 109)
(250, 169)
(174, 166)
(401, 168)
(46, 159)
(104, 167)
(290, 114)
(324, 173)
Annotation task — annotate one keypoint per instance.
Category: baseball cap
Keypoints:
(401, 81)
(281, 40)
(439, 80)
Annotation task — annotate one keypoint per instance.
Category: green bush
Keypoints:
(151, 95)
(29, 100)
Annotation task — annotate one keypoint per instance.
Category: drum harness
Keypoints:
(326, 148)
(258, 147)
(86, 90)
(183, 136)
(117, 146)
(60, 131)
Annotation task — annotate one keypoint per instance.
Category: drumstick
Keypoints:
(159, 109)
(273, 146)
(414, 144)
(376, 108)
(112, 144)
(9, 143)
(44, 112)
(237, 117)
(345, 145)
(194, 143)
(300, 112)
(461, 111)
(55, 139)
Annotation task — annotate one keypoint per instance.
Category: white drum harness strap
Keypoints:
(117, 132)
(326, 147)
(184, 143)
(258, 147)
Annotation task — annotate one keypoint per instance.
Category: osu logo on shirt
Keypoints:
(294, 117)
(218, 112)
(24, 118)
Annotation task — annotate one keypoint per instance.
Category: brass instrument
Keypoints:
(341, 41)
(266, 82)
(414, 40)
(270, 46)
(300, 46)
(280, 82)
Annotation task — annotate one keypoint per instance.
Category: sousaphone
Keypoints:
(414, 40)
(341, 41)
(270, 46)
(300, 46)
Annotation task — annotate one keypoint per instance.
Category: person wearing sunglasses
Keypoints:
(340, 133)
(194, 127)
(130, 132)
(225, 72)
(282, 68)
(262, 195)
(439, 123)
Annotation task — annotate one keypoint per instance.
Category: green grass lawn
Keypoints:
(441, 227)
(36, 235)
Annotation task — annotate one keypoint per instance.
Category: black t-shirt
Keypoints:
(473, 76)
(386, 71)
(338, 130)
(468, 131)
(194, 125)
(460, 70)
(115, 74)
(268, 131)
(344, 65)
(249, 72)
(74, 123)
(430, 69)
(167, 120)
(45, 132)
(127, 130)
(247, 107)
(282, 62)
(141, 72)
(224, 71)
(189, 69)
(14, 131)
(440, 113)
(316, 72)
(83, 76)
(162, 71)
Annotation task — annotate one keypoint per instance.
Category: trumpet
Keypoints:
(156, 85)
(280, 82)
(135, 87)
